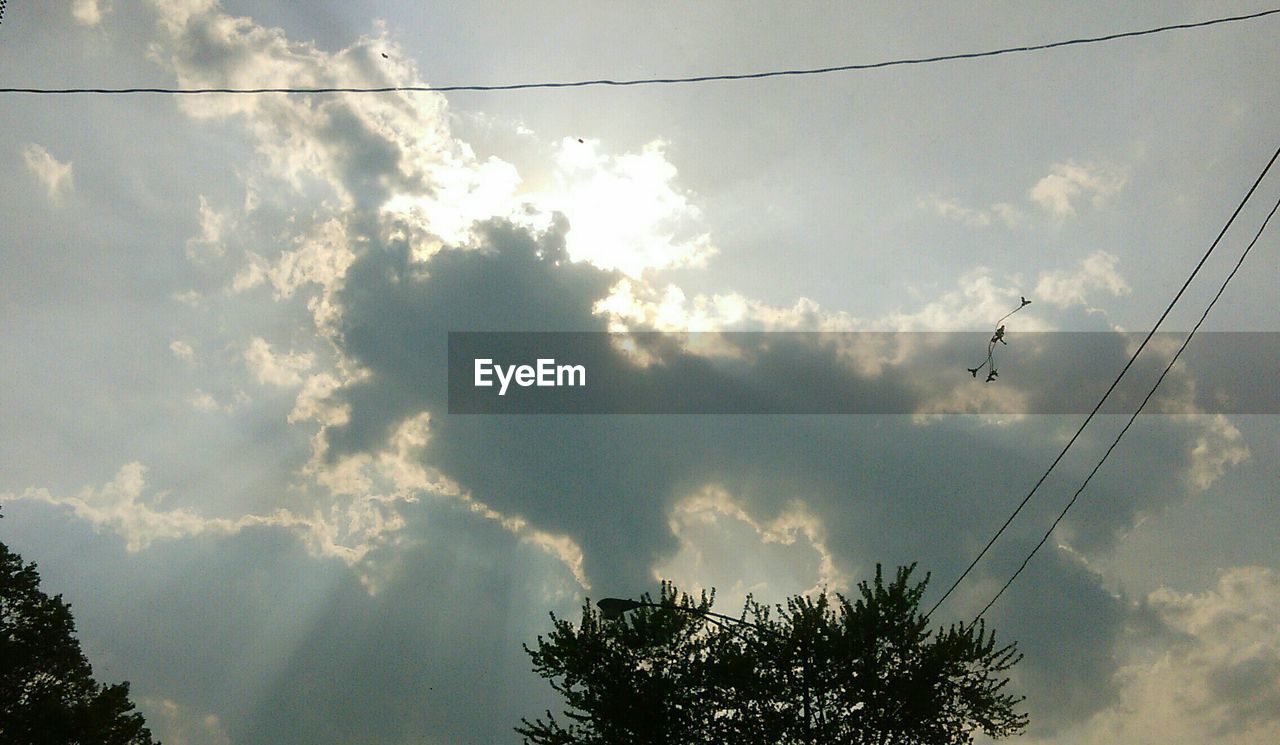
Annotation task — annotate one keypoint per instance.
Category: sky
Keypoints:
(224, 426)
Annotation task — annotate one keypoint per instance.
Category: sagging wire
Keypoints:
(996, 338)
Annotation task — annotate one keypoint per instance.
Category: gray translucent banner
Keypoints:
(915, 373)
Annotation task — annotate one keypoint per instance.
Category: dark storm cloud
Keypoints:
(1069, 627)
(886, 488)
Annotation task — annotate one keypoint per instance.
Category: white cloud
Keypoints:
(320, 261)
(176, 724)
(1002, 212)
(625, 211)
(56, 177)
(951, 209)
(89, 12)
(1215, 679)
(1065, 288)
(976, 300)
(190, 298)
(1068, 183)
(365, 149)
(284, 370)
(202, 401)
(182, 350)
(462, 192)
(119, 506)
(633, 303)
(251, 274)
(1219, 445)
(973, 305)
(213, 227)
(346, 531)
(399, 468)
(315, 401)
(1008, 214)
(723, 546)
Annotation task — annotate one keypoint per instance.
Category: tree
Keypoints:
(820, 669)
(47, 692)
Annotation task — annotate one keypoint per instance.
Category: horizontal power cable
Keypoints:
(656, 81)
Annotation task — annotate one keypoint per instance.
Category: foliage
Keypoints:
(47, 691)
(820, 669)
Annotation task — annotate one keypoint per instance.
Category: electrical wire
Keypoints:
(1109, 390)
(657, 81)
(996, 337)
(1133, 418)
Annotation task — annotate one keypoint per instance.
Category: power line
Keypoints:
(660, 81)
(1133, 418)
(1109, 390)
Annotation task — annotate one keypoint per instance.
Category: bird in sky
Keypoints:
(384, 56)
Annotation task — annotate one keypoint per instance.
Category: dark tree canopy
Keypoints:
(47, 691)
(821, 669)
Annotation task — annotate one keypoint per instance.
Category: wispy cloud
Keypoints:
(182, 350)
(1068, 287)
(1067, 184)
(209, 244)
(284, 370)
(125, 507)
(1001, 213)
(56, 177)
(89, 12)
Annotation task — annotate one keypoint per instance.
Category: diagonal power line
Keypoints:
(1150, 393)
(664, 81)
(1109, 390)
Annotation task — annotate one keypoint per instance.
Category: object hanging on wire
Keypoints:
(996, 338)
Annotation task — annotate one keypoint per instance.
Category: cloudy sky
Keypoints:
(224, 431)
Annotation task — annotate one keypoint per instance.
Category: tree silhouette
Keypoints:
(47, 692)
(820, 669)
